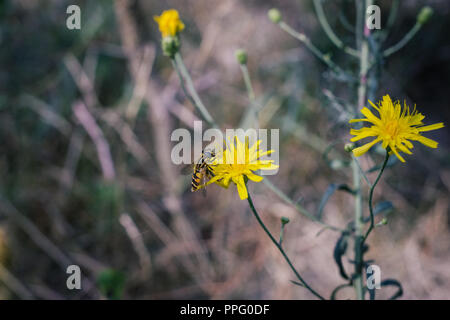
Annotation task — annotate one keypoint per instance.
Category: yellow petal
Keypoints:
(214, 179)
(242, 188)
(403, 148)
(255, 146)
(259, 153)
(253, 177)
(370, 116)
(431, 127)
(356, 120)
(226, 181)
(269, 167)
(363, 149)
(393, 149)
(373, 105)
(362, 133)
(428, 142)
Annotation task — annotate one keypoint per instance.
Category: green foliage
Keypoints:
(111, 283)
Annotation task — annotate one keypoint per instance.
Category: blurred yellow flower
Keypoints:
(169, 23)
(237, 162)
(394, 128)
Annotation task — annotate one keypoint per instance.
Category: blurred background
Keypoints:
(85, 170)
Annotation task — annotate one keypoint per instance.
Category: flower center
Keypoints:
(239, 167)
(391, 128)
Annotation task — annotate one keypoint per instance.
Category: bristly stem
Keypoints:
(372, 219)
(190, 91)
(275, 242)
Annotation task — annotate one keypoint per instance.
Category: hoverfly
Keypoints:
(202, 170)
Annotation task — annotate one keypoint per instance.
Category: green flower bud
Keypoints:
(170, 46)
(424, 15)
(382, 222)
(349, 147)
(284, 220)
(241, 56)
(274, 15)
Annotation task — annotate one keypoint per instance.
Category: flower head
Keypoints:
(395, 127)
(169, 23)
(237, 163)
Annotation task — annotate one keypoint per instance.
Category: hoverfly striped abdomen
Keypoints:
(202, 170)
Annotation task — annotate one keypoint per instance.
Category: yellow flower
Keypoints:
(394, 128)
(169, 23)
(237, 162)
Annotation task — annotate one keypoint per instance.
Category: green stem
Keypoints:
(281, 235)
(399, 45)
(361, 171)
(307, 42)
(248, 82)
(298, 207)
(330, 33)
(190, 92)
(358, 280)
(254, 109)
(255, 213)
(391, 19)
(362, 90)
(372, 220)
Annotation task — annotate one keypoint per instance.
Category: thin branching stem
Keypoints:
(364, 57)
(361, 171)
(329, 32)
(248, 82)
(280, 248)
(281, 235)
(298, 207)
(190, 91)
(403, 42)
(277, 191)
(254, 108)
(391, 19)
(307, 42)
(372, 216)
(357, 281)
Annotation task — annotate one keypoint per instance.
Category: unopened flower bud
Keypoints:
(349, 147)
(382, 222)
(170, 45)
(274, 15)
(424, 15)
(241, 56)
(284, 220)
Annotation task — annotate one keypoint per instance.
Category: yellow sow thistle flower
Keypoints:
(169, 23)
(237, 162)
(395, 127)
